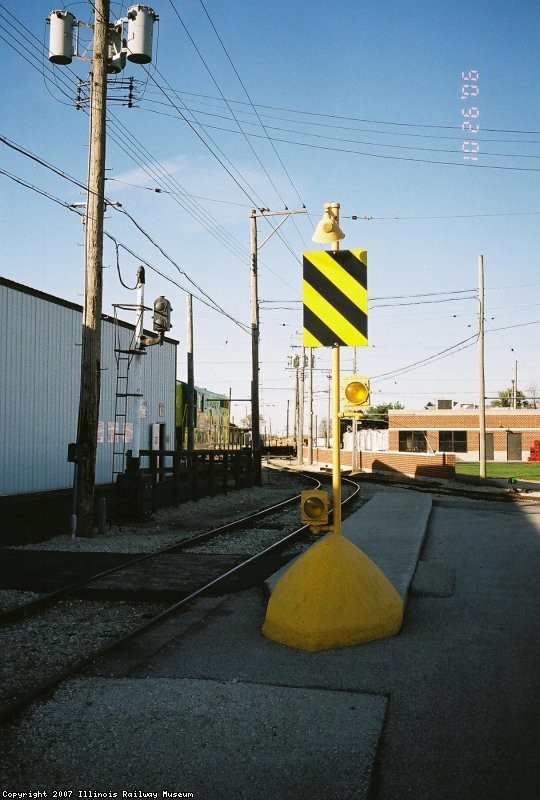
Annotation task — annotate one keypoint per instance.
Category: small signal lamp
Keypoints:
(314, 507)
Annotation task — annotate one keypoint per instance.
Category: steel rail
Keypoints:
(47, 600)
(14, 707)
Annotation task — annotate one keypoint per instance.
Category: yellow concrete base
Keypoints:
(332, 596)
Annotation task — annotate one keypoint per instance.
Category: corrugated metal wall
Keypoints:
(40, 348)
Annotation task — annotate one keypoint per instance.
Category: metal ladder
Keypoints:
(123, 359)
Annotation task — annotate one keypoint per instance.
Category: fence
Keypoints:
(174, 476)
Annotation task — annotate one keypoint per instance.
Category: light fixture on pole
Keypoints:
(355, 602)
(328, 230)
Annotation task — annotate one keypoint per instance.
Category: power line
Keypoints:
(333, 126)
(207, 302)
(205, 218)
(171, 260)
(242, 84)
(390, 123)
(193, 124)
(351, 151)
(157, 190)
(449, 216)
(330, 137)
(449, 351)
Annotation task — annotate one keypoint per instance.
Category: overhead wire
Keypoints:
(172, 261)
(330, 137)
(220, 156)
(204, 297)
(204, 218)
(449, 351)
(216, 84)
(132, 147)
(333, 117)
(383, 156)
(334, 126)
(240, 130)
(447, 216)
(158, 190)
(242, 84)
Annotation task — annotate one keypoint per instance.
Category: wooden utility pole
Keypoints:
(481, 378)
(255, 247)
(190, 404)
(93, 290)
(310, 405)
(255, 412)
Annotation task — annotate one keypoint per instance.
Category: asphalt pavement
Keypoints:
(445, 710)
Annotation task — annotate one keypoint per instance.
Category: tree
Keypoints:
(377, 416)
(506, 399)
(325, 427)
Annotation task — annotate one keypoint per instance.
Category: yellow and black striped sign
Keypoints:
(335, 298)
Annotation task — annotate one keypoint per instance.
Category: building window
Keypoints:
(453, 441)
(412, 441)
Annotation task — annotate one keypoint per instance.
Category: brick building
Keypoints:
(510, 433)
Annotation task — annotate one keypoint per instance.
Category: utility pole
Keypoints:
(112, 45)
(310, 406)
(482, 384)
(91, 330)
(354, 453)
(255, 413)
(301, 398)
(190, 378)
(295, 363)
(255, 247)
(329, 415)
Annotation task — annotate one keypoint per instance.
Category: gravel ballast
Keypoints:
(34, 648)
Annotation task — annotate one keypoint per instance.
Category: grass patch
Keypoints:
(523, 470)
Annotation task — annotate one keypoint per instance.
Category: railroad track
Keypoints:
(52, 606)
(442, 489)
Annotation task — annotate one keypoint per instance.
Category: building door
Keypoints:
(489, 447)
(513, 446)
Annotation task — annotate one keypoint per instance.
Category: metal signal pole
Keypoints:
(91, 330)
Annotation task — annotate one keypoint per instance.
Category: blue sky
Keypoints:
(291, 104)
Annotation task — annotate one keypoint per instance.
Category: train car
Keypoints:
(212, 426)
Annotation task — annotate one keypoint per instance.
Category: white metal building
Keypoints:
(40, 348)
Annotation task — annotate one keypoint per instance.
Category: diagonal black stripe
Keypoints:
(351, 264)
(320, 331)
(335, 297)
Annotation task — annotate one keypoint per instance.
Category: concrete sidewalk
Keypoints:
(249, 725)
(390, 529)
(446, 709)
